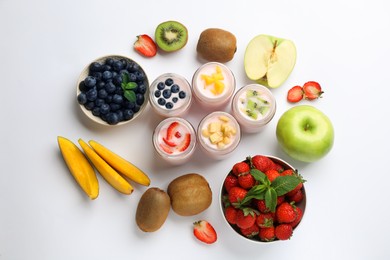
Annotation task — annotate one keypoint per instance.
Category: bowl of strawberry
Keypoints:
(263, 199)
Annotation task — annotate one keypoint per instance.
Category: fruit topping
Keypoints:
(175, 140)
(145, 46)
(215, 80)
(205, 232)
(220, 132)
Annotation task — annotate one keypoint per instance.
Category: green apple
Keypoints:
(305, 133)
(269, 60)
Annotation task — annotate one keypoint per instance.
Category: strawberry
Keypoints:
(250, 232)
(272, 174)
(297, 196)
(287, 172)
(264, 220)
(240, 167)
(262, 163)
(267, 234)
(177, 134)
(286, 213)
(279, 168)
(312, 90)
(185, 143)
(283, 231)
(169, 142)
(295, 94)
(230, 182)
(298, 219)
(205, 232)
(237, 194)
(166, 148)
(145, 45)
(245, 218)
(171, 131)
(231, 214)
(246, 180)
(299, 186)
(280, 200)
(262, 207)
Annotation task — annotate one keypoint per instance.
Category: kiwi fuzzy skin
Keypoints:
(177, 44)
(216, 44)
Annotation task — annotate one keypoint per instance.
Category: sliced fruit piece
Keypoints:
(166, 149)
(171, 130)
(186, 142)
(79, 167)
(145, 45)
(107, 172)
(205, 232)
(171, 36)
(169, 142)
(295, 94)
(269, 60)
(120, 164)
(312, 90)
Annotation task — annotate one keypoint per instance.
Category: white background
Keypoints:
(44, 45)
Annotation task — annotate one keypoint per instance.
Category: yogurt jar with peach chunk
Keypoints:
(213, 85)
(218, 134)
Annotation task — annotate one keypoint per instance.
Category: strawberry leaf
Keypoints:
(284, 184)
(271, 199)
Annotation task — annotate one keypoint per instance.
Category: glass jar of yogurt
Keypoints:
(174, 140)
(213, 85)
(253, 106)
(170, 95)
(218, 134)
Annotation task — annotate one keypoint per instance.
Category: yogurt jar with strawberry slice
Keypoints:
(174, 140)
(213, 85)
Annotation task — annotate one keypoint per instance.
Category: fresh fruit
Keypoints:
(267, 234)
(107, 172)
(231, 214)
(214, 81)
(272, 174)
(305, 133)
(240, 168)
(152, 209)
(245, 218)
(312, 90)
(246, 180)
(269, 60)
(215, 44)
(171, 36)
(79, 167)
(262, 163)
(251, 231)
(121, 165)
(299, 217)
(145, 45)
(204, 232)
(220, 132)
(255, 105)
(190, 194)
(283, 231)
(230, 182)
(286, 213)
(265, 220)
(295, 94)
(237, 194)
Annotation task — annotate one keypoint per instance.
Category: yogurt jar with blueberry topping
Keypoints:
(170, 95)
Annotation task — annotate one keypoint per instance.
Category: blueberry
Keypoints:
(96, 111)
(95, 67)
(157, 93)
(120, 115)
(128, 114)
(182, 94)
(100, 84)
(175, 88)
(82, 98)
(117, 65)
(175, 99)
(160, 85)
(104, 109)
(90, 81)
(139, 75)
(102, 93)
(117, 99)
(109, 61)
(89, 105)
(91, 94)
(82, 86)
(119, 91)
(124, 63)
(106, 68)
(112, 118)
(140, 99)
(161, 101)
(168, 82)
(167, 93)
(114, 107)
(107, 75)
(99, 102)
(110, 87)
(108, 99)
(132, 77)
(128, 104)
(136, 108)
(142, 89)
(169, 105)
(97, 75)
(117, 80)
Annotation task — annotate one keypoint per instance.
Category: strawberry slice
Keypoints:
(185, 143)
(312, 90)
(166, 148)
(145, 45)
(177, 134)
(169, 142)
(295, 94)
(171, 130)
(205, 232)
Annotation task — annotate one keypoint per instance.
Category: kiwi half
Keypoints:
(171, 36)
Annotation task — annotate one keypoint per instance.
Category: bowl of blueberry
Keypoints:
(112, 90)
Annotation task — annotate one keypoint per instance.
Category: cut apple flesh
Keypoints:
(269, 60)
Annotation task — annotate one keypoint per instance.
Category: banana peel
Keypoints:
(107, 172)
(120, 164)
(79, 167)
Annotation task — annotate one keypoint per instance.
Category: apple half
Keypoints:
(269, 60)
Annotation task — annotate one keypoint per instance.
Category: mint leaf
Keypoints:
(256, 192)
(271, 199)
(125, 78)
(284, 184)
(259, 176)
(130, 95)
(129, 86)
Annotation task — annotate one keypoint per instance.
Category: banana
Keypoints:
(79, 167)
(108, 173)
(121, 165)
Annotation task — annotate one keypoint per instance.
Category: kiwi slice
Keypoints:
(171, 36)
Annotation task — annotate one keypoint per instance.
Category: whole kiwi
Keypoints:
(190, 194)
(152, 210)
(216, 45)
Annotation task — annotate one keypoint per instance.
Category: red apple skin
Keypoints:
(305, 133)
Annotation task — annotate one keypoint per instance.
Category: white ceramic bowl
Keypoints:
(256, 239)
(117, 112)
